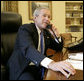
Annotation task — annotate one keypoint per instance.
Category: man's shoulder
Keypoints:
(28, 25)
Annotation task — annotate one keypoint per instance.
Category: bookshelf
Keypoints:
(74, 16)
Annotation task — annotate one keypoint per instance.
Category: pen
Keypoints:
(68, 75)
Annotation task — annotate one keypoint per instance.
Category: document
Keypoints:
(76, 56)
(76, 60)
(76, 64)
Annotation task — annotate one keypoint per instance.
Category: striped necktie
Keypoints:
(42, 42)
(42, 51)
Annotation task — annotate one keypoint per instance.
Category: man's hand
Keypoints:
(55, 31)
(62, 66)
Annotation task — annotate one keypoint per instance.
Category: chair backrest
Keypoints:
(67, 38)
(10, 22)
(76, 46)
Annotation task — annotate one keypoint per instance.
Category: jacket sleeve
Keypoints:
(57, 46)
(27, 46)
(51, 43)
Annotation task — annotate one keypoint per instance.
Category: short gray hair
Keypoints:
(37, 10)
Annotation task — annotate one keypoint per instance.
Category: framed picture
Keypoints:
(34, 4)
(11, 6)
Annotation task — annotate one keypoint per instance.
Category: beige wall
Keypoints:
(58, 12)
(23, 10)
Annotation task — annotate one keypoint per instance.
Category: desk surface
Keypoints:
(52, 75)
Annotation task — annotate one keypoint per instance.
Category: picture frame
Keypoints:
(10, 6)
(34, 4)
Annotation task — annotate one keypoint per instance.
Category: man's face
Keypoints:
(43, 18)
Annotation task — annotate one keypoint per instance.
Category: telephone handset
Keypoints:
(49, 26)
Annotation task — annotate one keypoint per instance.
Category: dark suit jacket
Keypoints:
(25, 50)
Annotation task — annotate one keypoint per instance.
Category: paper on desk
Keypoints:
(76, 56)
(76, 64)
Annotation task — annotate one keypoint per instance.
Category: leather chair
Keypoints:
(10, 22)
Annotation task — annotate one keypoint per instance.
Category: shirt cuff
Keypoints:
(45, 62)
(59, 40)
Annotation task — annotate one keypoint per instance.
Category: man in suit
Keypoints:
(26, 59)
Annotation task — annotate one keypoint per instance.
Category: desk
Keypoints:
(52, 75)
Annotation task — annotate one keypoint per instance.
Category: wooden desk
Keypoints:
(52, 75)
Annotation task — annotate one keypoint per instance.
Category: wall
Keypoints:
(58, 9)
(23, 10)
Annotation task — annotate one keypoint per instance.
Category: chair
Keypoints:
(10, 22)
(76, 46)
(67, 38)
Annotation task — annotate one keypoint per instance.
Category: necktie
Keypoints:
(42, 52)
(42, 43)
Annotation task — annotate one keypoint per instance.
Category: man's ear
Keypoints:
(34, 17)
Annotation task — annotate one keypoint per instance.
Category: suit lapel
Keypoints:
(35, 36)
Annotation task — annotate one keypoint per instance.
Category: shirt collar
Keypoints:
(39, 31)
